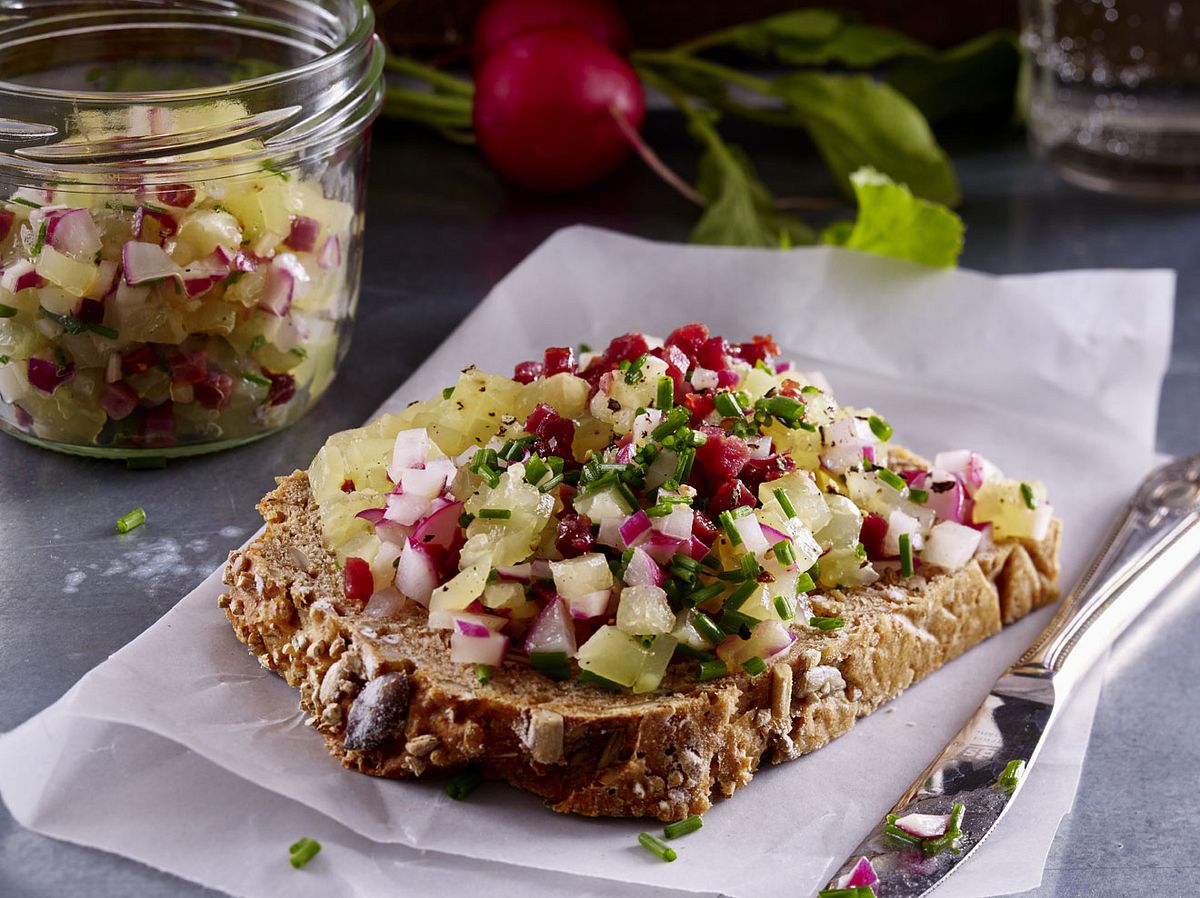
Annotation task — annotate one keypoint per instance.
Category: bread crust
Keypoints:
(585, 751)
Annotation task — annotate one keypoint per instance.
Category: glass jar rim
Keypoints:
(296, 108)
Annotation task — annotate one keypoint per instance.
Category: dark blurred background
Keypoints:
(446, 24)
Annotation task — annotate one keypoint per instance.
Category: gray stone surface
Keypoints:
(441, 231)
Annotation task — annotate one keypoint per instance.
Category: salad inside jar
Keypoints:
(167, 317)
(659, 509)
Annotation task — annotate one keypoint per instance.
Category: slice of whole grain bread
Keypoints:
(389, 702)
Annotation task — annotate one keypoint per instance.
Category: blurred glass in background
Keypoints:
(1114, 93)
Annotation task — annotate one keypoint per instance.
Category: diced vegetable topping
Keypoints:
(300, 853)
(657, 846)
(651, 511)
(129, 521)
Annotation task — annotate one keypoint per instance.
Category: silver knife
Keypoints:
(1155, 540)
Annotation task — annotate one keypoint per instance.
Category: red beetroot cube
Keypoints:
(559, 359)
(722, 456)
(527, 372)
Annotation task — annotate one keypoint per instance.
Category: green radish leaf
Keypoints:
(979, 77)
(794, 32)
(853, 45)
(893, 222)
(856, 121)
(740, 210)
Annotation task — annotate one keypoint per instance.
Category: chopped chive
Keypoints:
(785, 503)
(686, 561)
(584, 347)
(258, 342)
(726, 521)
(551, 664)
(1011, 777)
(737, 624)
(24, 202)
(703, 594)
(627, 494)
(827, 623)
(683, 827)
(549, 484)
(739, 596)
(4, 360)
(300, 352)
(7, 311)
(127, 522)
(535, 469)
(465, 519)
(852, 892)
(633, 374)
(895, 481)
(661, 510)
(683, 467)
(895, 832)
(41, 237)
(483, 673)
(951, 837)
(727, 405)
(300, 853)
(918, 496)
(860, 550)
(906, 556)
(666, 393)
(695, 654)
(1028, 497)
(804, 583)
(594, 679)
(809, 388)
(256, 378)
(880, 427)
(69, 323)
(754, 665)
(710, 670)
(447, 392)
(750, 567)
(276, 169)
(705, 627)
(109, 332)
(675, 419)
(463, 784)
(495, 514)
(783, 407)
(785, 552)
(783, 607)
(657, 847)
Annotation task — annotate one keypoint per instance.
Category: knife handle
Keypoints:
(1157, 537)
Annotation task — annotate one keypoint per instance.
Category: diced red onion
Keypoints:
(972, 467)
(540, 569)
(947, 504)
(330, 255)
(440, 528)
(119, 400)
(869, 453)
(750, 530)
(610, 533)
(863, 874)
(214, 391)
(245, 261)
(661, 547)
(642, 570)
(276, 297)
(552, 630)
(593, 604)
(167, 226)
(406, 509)
(416, 575)
(521, 572)
(780, 367)
(635, 528)
(46, 375)
(303, 234)
(696, 549)
(727, 378)
(371, 515)
(773, 536)
(145, 262)
(767, 639)
(408, 452)
(486, 649)
(760, 447)
(923, 826)
(20, 275)
(202, 274)
(470, 628)
(74, 233)
(677, 524)
(626, 453)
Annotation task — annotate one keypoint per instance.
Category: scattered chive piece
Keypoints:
(495, 514)
(465, 519)
(153, 463)
(880, 427)
(4, 360)
(710, 670)
(303, 851)
(1027, 495)
(683, 467)
(754, 666)
(448, 392)
(695, 654)
(24, 202)
(551, 664)
(483, 673)
(853, 892)
(7, 311)
(686, 561)
(750, 567)
(110, 332)
(906, 556)
(683, 827)
(258, 342)
(726, 521)
(784, 608)
(860, 550)
(535, 469)
(633, 374)
(301, 353)
(705, 627)
(703, 594)
(739, 596)
(952, 835)
(1011, 777)
(785, 503)
(41, 237)
(594, 679)
(135, 518)
(463, 784)
(584, 347)
(256, 378)
(549, 484)
(276, 169)
(666, 393)
(895, 481)
(785, 552)
(657, 847)
(918, 496)
(804, 583)
(895, 832)
(675, 419)
(783, 407)
(827, 623)
(727, 405)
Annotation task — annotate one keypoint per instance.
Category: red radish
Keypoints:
(6, 220)
(189, 367)
(357, 579)
(439, 529)
(119, 400)
(503, 20)
(159, 430)
(46, 375)
(552, 630)
(544, 109)
(214, 391)
(863, 874)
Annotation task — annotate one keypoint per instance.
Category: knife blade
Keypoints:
(1154, 541)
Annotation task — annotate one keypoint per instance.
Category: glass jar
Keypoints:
(181, 214)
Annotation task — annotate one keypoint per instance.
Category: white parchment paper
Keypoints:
(181, 735)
